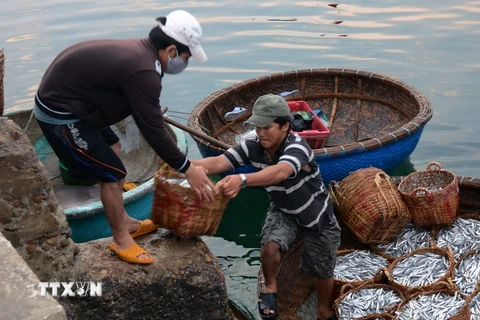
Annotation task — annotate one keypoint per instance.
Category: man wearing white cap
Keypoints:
(94, 84)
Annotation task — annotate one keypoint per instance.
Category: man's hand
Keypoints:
(160, 162)
(200, 183)
(230, 185)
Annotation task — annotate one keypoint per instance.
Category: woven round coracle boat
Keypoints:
(177, 208)
(374, 120)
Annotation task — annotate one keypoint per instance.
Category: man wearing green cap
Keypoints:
(300, 203)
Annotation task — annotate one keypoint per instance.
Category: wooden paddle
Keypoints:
(199, 134)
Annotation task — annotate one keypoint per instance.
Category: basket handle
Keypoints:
(434, 164)
(345, 288)
(331, 187)
(381, 177)
(387, 274)
(418, 191)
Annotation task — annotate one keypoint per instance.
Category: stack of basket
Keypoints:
(370, 205)
(177, 208)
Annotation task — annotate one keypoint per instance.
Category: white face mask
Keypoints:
(175, 65)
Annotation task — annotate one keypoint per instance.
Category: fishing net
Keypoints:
(432, 196)
(370, 205)
(177, 208)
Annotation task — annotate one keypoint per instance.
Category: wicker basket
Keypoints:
(340, 285)
(2, 68)
(178, 209)
(432, 196)
(388, 314)
(456, 253)
(462, 314)
(457, 265)
(370, 205)
(445, 282)
(474, 298)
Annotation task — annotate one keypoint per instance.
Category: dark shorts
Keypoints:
(85, 150)
(319, 248)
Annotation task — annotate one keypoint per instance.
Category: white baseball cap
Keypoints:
(184, 28)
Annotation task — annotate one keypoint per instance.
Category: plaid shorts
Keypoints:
(319, 248)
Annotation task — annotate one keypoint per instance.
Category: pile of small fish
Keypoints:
(420, 269)
(358, 265)
(462, 236)
(438, 306)
(408, 240)
(430, 189)
(475, 307)
(467, 273)
(368, 301)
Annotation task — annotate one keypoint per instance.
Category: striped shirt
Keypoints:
(303, 194)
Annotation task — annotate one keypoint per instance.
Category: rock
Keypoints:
(20, 298)
(31, 219)
(156, 291)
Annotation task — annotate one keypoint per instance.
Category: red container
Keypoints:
(316, 137)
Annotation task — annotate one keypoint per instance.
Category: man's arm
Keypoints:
(214, 165)
(270, 175)
(231, 184)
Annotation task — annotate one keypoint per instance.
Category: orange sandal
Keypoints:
(146, 226)
(131, 254)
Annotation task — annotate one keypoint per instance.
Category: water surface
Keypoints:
(432, 45)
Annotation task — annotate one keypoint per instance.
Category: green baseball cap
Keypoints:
(267, 108)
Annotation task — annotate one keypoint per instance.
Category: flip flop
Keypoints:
(267, 300)
(235, 113)
(146, 226)
(131, 254)
(293, 93)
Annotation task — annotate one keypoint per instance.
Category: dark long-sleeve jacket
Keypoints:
(104, 81)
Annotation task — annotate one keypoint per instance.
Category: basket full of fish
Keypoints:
(435, 304)
(357, 267)
(422, 270)
(409, 239)
(474, 305)
(466, 274)
(368, 301)
(463, 236)
(432, 196)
